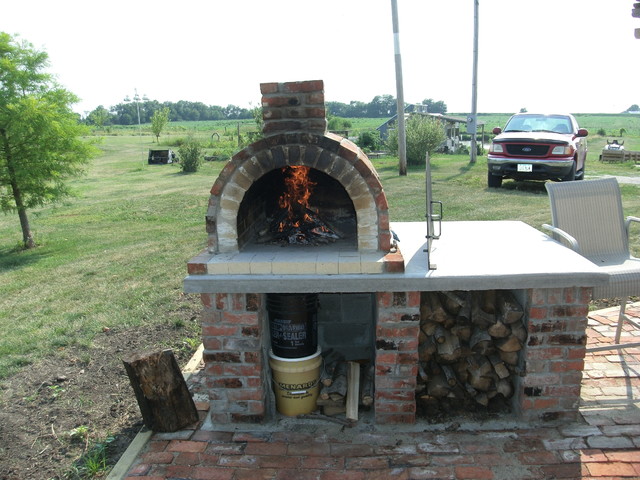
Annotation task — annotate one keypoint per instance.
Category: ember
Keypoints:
(296, 222)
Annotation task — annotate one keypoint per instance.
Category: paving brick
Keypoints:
(614, 469)
(366, 463)
(311, 449)
(157, 457)
(424, 473)
(352, 450)
(338, 475)
(475, 473)
(255, 474)
(278, 461)
(186, 446)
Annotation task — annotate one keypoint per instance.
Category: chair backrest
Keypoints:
(591, 212)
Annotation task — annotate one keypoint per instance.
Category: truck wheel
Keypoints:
(494, 181)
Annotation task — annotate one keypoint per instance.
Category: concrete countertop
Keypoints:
(475, 255)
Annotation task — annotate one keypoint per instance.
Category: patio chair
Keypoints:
(587, 216)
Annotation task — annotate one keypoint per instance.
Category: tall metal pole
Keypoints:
(472, 125)
(402, 135)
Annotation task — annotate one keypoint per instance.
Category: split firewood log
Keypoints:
(479, 316)
(338, 388)
(509, 307)
(462, 330)
(426, 349)
(508, 344)
(453, 302)
(498, 366)
(449, 350)
(504, 387)
(499, 329)
(366, 385)
(510, 358)
(438, 386)
(481, 342)
(331, 360)
(519, 330)
(440, 334)
(449, 375)
(438, 313)
(422, 372)
(428, 327)
(488, 301)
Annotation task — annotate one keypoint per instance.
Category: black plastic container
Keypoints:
(293, 322)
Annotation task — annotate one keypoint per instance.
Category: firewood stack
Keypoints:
(468, 348)
(345, 386)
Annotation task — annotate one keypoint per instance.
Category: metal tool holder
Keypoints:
(434, 215)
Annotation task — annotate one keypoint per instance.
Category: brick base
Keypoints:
(238, 381)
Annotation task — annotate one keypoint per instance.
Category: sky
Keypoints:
(577, 56)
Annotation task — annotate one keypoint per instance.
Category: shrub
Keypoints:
(190, 153)
(424, 134)
(370, 140)
(601, 132)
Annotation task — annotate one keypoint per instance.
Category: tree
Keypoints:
(159, 120)
(99, 117)
(435, 107)
(40, 136)
(424, 134)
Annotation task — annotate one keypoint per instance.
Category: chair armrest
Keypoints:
(573, 243)
(627, 223)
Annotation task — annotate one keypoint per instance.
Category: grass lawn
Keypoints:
(115, 255)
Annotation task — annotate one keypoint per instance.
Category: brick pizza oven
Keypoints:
(370, 288)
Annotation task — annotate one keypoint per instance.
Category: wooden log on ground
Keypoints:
(161, 391)
(510, 358)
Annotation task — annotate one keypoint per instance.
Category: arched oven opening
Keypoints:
(296, 205)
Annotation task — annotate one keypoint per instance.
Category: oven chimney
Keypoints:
(293, 106)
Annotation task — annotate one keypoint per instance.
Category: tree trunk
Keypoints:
(27, 236)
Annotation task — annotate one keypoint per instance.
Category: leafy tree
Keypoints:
(435, 107)
(633, 108)
(370, 140)
(40, 137)
(424, 134)
(159, 120)
(99, 117)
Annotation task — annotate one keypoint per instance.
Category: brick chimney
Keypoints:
(293, 106)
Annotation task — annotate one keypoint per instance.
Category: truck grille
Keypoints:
(527, 150)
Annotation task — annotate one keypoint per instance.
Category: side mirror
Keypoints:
(498, 130)
(582, 132)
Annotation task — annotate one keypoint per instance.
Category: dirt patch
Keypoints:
(56, 413)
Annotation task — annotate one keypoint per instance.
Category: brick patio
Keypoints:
(604, 444)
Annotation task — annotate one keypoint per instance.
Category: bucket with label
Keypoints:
(293, 323)
(296, 382)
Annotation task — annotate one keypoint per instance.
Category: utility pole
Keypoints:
(472, 121)
(402, 135)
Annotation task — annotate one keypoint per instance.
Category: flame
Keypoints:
(295, 198)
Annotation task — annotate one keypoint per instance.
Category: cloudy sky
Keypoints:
(578, 56)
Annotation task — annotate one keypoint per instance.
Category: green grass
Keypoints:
(115, 255)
